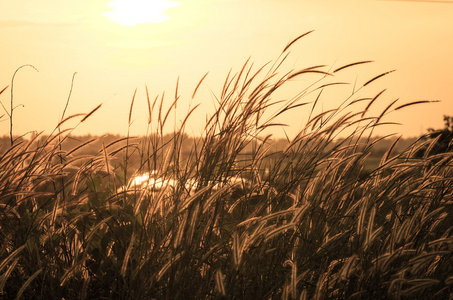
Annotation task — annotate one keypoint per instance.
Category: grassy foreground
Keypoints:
(315, 225)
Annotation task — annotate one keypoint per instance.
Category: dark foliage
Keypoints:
(437, 141)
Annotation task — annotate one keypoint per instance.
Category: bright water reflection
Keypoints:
(151, 181)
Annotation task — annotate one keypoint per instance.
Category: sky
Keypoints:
(115, 49)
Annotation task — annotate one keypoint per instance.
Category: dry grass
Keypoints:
(316, 225)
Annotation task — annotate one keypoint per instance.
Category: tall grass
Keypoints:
(315, 225)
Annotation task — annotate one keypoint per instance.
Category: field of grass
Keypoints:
(316, 225)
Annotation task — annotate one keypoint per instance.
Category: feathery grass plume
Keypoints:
(91, 113)
(377, 77)
(416, 102)
(69, 118)
(4, 89)
(295, 40)
(199, 84)
(389, 151)
(309, 70)
(149, 104)
(372, 101)
(132, 106)
(352, 65)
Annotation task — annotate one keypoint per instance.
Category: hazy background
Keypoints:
(111, 61)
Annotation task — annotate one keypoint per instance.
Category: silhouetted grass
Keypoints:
(311, 224)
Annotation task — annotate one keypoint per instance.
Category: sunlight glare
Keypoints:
(134, 12)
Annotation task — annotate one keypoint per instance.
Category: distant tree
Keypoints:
(442, 139)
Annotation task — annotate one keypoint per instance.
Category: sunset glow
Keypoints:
(134, 12)
(226, 149)
(117, 46)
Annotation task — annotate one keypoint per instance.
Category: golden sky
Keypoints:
(114, 53)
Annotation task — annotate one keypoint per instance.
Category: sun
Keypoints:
(134, 12)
